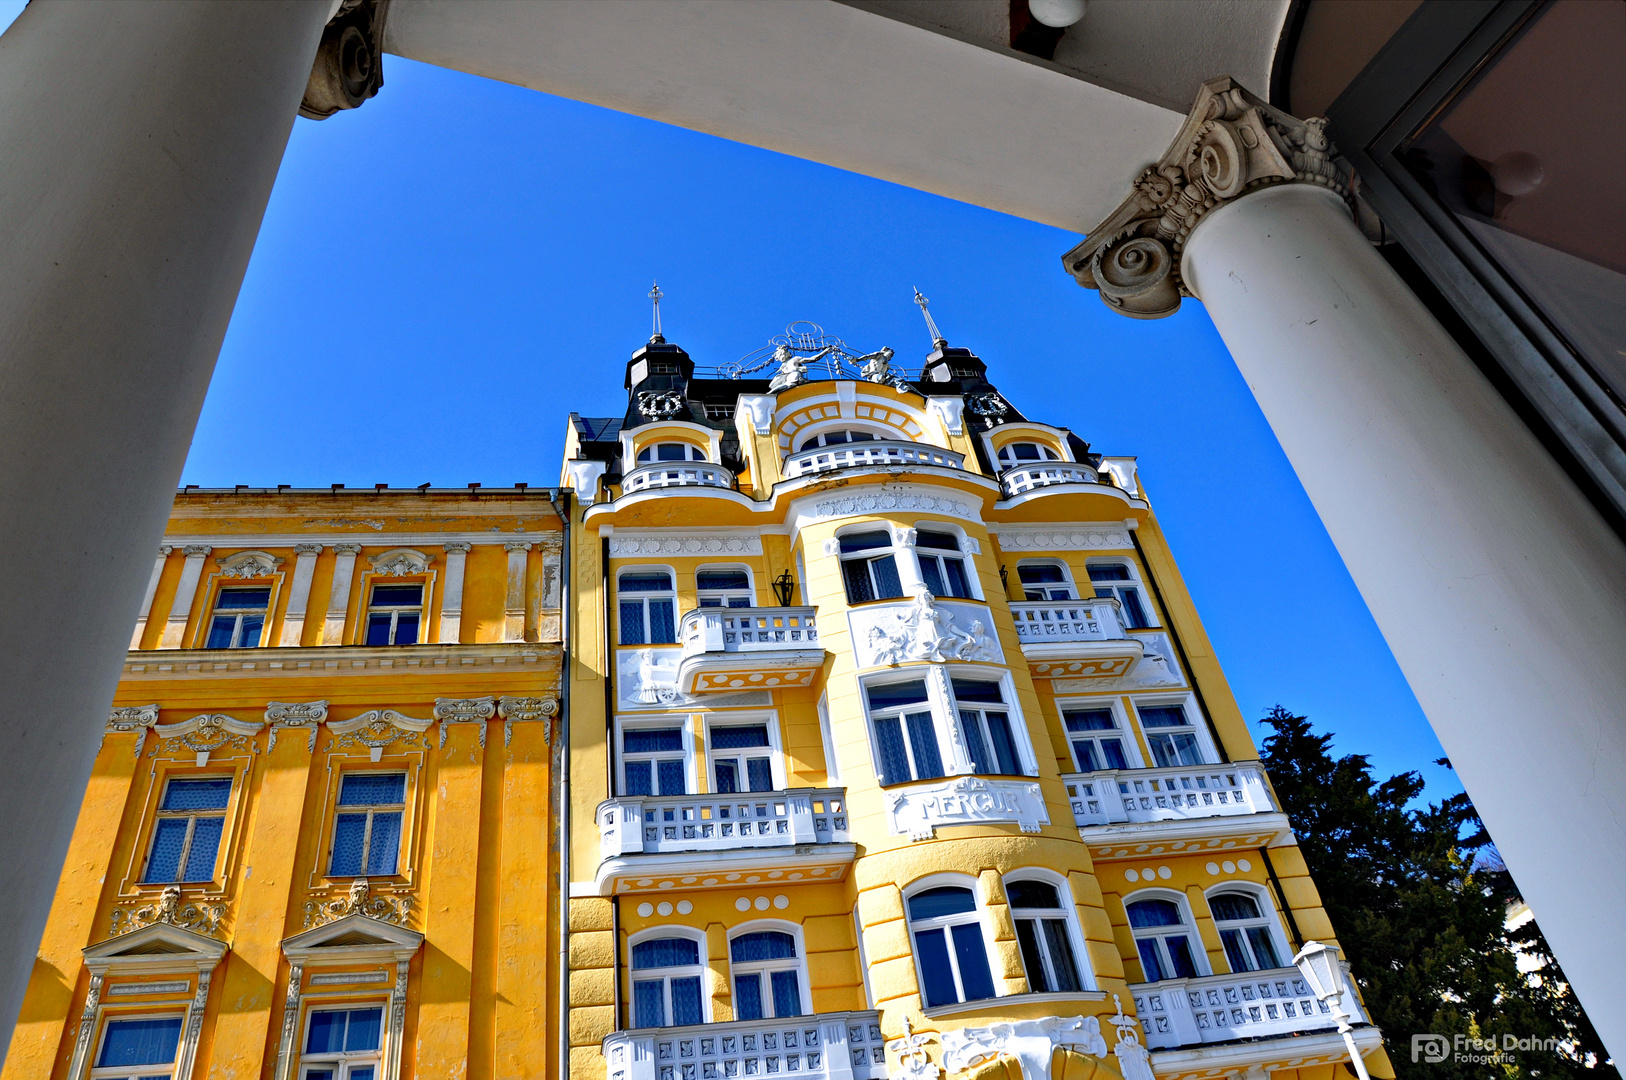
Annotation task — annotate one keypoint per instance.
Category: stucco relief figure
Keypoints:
(793, 368)
(926, 631)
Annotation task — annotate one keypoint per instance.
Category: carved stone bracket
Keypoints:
(526, 709)
(1134, 1060)
(378, 729)
(913, 1062)
(295, 714)
(198, 918)
(1232, 143)
(212, 732)
(136, 718)
(464, 711)
(359, 900)
(349, 60)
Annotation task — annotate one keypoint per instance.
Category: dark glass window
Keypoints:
(367, 829)
(186, 836)
(395, 615)
(239, 618)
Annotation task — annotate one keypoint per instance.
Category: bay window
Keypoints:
(985, 722)
(869, 567)
(1043, 932)
(1013, 454)
(942, 567)
(905, 732)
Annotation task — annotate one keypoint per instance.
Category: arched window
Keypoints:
(942, 566)
(648, 607)
(1097, 742)
(837, 438)
(1245, 931)
(1045, 581)
(1044, 934)
(1020, 453)
(1163, 939)
(1116, 581)
(666, 976)
(720, 586)
(670, 451)
(949, 948)
(869, 566)
(767, 975)
(1171, 735)
(905, 733)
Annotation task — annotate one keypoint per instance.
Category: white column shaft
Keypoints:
(299, 594)
(338, 601)
(514, 601)
(138, 147)
(451, 594)
(1497, 585)
(186, 590)
(146, 599)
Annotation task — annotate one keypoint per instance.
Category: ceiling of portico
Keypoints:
(925, 94)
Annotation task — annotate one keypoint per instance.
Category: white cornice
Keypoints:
(329, 661)
(234, 541)
(1226, 1059)
(1188, 836)
(1075, 536)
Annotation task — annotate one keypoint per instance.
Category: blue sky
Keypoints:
(447, 272)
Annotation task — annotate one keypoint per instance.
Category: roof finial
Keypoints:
(655, 294)
(938, 340)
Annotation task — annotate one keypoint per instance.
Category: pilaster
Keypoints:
(299, 592)
(338, 603)
(514, 598)
(146, 599)
(186, 592)
(451, 595)
(524, 943)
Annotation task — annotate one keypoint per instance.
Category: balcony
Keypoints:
(879, 454)
(727, 650)
(1075, 639)
(1225, 1008)
(1187, 803)
(666, 474)
(1021, 479)
(827, 1046)
(644, 839)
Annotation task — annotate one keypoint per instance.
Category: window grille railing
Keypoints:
(748, 629)
(864, 454)
(653, 824)
(1114, 796)
(1223, 1008)
(827, 1046)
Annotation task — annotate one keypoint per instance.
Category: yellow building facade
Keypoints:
(318, 839)
(898, 749)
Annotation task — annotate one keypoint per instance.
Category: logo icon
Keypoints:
(1430, 1048)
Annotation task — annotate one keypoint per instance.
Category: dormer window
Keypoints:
(670, 451)
(1020, 453)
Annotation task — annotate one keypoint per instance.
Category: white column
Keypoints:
(514, 600)
(338, 600)
(138, 147)
(299, 594)
(1497, 585)
(146, 599)
(186, 590)
(451, 594)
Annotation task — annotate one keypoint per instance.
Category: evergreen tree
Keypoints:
(1419, 900)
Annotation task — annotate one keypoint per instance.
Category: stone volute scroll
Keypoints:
(1232, 143)
(464, 711)
(308, 715)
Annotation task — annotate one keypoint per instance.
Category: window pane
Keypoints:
(248, 631)
(971, 731)
(855, 572)
(140, 1042)
(360, 1072)
(1084, 754)
(760, 774)
(1039, 575)
(889, 695)
(976, 690)
(1185, 748)
(652, 740)
(1264, 947)
(930, 538)
(326, 1034)
(349, 833)
(936, 976)
(310, 1074)
(945, 900)
(748, 997)
(200, 859)
(728, 777)
(639, 775)
(237, 599)
(1061, 955)
(738, 738)
(397, 595)
(1032, 963)
(632, 622)
(762, 945)
(1230, 907)
(649, 1004)
(1161, 715)
(686, 1001)
(385, 844)
(406, 629)
(1091, 720)
(1032, 894)
(646, 582)
(197, 794)
(1180, 955)
(722, 579)
(373, 789)
(932, 576)
(787, 993)
(168, 837)
(1163, 752)
(923, 741)
(670, 775)
(893, 761)
(1151, 963)
(665, 952)
(861, 436)
(887, 584)
(1134, 612)
(709, 601)
(363, 1032)
(739, 601)
(957, 583)
(378, 629)
(662, 622)
(1110, 572)
(671, 452)
(865, 541)
(973, 958)
(1235, 954)
(1114, 751)
(1005, 759)
(221, 631)
(1154, 913)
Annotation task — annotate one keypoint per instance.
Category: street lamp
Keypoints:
(1319, 965)
(783, 586)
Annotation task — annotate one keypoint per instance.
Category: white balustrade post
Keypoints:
(1251, 778)
(338, 600)
(1182, 1024)
(186, 590)
(451, 593)
(299, 594)
(631, 828)
(838, 1056)
(146, 600)
(514, 598)
(799, 805)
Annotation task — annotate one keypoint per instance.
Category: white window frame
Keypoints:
(804, 986)
(1020, 739)
(979, 916)
(660, 720)
(1067, 581)
(396, 610)
(817, 432)
(1126, 728)
(1199, 955)
(724, 595)
(945, 711)
(645, 597)
(1270, 919)
(1069, 914)
(370, 809)
(931, 705)
(132, 1072)
(343, 1061)
(1135, 581)
(832, 764)
(702, 969)
(160, 814)
(216, 612)
(901, 554)
(774, 751)
(1044, 447)
(695, 453)
(964, 549)
(1197, 724)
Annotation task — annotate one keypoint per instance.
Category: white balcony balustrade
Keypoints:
(664, 824)
(1222, 1008)
(1189, 792)
(666, 474)
(748, 629)
(1020, 479)
(866, 454)
(829, 1046)
(1049, 621)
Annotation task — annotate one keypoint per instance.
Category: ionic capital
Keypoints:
(1232, 143)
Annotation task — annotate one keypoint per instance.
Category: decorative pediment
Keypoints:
(211, 732)
(351, 939)
(378, 729)
(295, 714)
(400, 562)
(158, 946)
(249, 564)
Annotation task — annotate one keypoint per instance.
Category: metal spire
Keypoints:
(655, 294)
(938, 340)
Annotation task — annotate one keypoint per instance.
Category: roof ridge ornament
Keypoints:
(655, 296)
(938, 340)
(1232, 143)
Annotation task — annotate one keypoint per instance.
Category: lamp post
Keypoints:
(1319, 965)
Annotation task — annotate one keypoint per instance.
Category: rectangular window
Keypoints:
(987, 728)
(139, 1049)
(1044, 581)
(742, 760)
(723, 588)
(653, 761)
(944, 574)
(905, 734)
(367, 827)
(869, 568)
(239, 618)
(394, 615)
(1113, 581)
(1170, 735)
(648, 609)
(186, 836)
(1097, 742)
(343, 1044)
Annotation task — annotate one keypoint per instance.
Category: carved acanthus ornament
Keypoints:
(526, 709)
(464, 711)
(378, 729)
(913, 1063)
(211, 733)
(249, 564)
(168, 908)
(359, 900)
(295, 714)
(400, 562)
(1232, 143)
(136, 718)
(660, 404)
